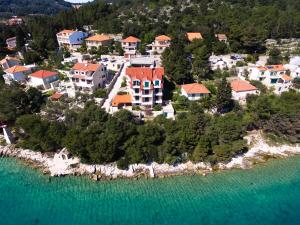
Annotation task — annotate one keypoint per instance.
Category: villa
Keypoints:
(43, 79)
(16, 73)
(130, 46)
(146, 85)
(88, 77)
(273, 76)
(160, 44)
(191, 36)
(98, 40)
(241, 89)
(194, 91)
(8, 62)
(70, 39)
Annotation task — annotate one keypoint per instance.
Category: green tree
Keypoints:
(224, 100)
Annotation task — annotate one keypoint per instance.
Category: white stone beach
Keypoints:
(60, 164)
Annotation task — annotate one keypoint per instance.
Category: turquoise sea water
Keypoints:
(267, 194)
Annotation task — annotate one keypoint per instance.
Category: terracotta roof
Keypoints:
(66, 32)
(78, 76)
(16, 69)
(131, 39)
(56, 96)
(86, 67)
(121, 99)
(43, 74)
(272, 68)
(99, 38)
(286, 77)
(145, 73)
(195, 88)
(221, 36)
(163, 38)
(11, 39)
(241, 85)
(194, 35)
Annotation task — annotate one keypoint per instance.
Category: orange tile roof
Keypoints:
(195, 88)
(286, 77)
(8, 58)
(121, 99)
(272, 68)
(86, 67)
(131, 39)
(163, 38)
(66, 32)
(241, 85)
(99, 38)
(194, 35)
(16, 69)
(145, 73)
(43, 74)
(56, 96)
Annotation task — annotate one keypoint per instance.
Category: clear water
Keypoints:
(268, 194)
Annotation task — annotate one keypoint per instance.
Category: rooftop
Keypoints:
(286, 77)
(194, 35)
(195, 88)
(145, 73)
(242, 85)
(272, 68)
(16, 69)
(43, 74)
(131, 39)
(163, 38)
(86, 67)
(99, 38)
(121, 99)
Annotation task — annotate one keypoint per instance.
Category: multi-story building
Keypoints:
(98, 40)
(88, 77)
(70, 39)
(146, 85)
(273, 76)
(16, 73)
(159, 45)
(130, 46)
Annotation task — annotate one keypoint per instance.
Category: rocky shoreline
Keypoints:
(55, 165)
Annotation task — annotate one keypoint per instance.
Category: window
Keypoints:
(156, 83)
(146, 99)
(137, 98)
(136, 90)
(146, 84)
(274, 81)
(146, 92)
(136, 83)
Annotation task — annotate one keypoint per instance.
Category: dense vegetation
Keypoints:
(98, 137)
(25, 7)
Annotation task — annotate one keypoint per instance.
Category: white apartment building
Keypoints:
(70, 39)
(130, 46)
(160, 44)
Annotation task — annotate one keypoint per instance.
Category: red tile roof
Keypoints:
(43, 74)
(241, 85)
(86, 67)
(272, 68)
(56, 96)
(163, 38)
(131, 39)
(195, 88)
(121, 99)
(145, 73)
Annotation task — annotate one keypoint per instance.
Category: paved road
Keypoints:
(115, 89)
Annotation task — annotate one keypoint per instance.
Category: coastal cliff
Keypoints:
(54, 165)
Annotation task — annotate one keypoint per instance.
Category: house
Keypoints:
(121, 102)
(194, 91)
(241, 89)
(222, 38)
(11, 43)
(98, 40)
(159, 45)
(8, 62)
(146, 85)
(88, 77)
(16, 73)
(14, 21)
(43, 79)
(70, 39)
(56, 96)
(191, 36)
(273, 76)
(130, 46)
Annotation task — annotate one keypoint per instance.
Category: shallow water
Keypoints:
(267, 194)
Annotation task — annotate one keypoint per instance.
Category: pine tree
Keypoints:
(224, 102)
